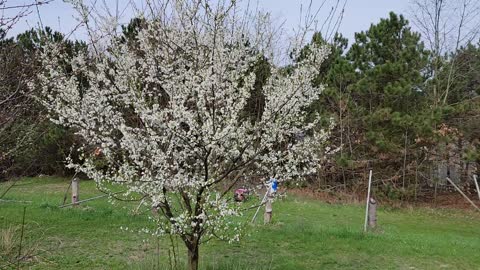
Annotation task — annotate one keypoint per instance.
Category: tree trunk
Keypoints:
(193, 257)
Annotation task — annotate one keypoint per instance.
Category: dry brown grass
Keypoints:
(8, 241)
(10, 253)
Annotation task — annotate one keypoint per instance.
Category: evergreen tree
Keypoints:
(389, 59)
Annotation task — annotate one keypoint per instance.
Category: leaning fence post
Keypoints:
(476, 185)
(75, 191)
(463, 194)
(368, 201)
(259, 206)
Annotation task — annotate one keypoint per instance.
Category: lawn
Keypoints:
(305, 234)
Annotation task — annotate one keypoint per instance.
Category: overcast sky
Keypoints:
(359, 14)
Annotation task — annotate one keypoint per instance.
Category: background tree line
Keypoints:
(383, 92)
(29, 143)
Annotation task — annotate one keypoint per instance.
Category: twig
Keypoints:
(5, 192)
(37, 3)
(21, 238)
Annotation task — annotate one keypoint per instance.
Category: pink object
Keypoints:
(240, 194)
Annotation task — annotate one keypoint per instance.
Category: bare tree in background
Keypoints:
(446, 25)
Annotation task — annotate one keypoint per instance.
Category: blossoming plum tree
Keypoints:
(165, 116)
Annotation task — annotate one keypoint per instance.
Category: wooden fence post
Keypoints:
(372, 213)
(75, 191)
(267, 218)
(368, 201)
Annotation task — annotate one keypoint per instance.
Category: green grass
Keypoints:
(305, 234)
